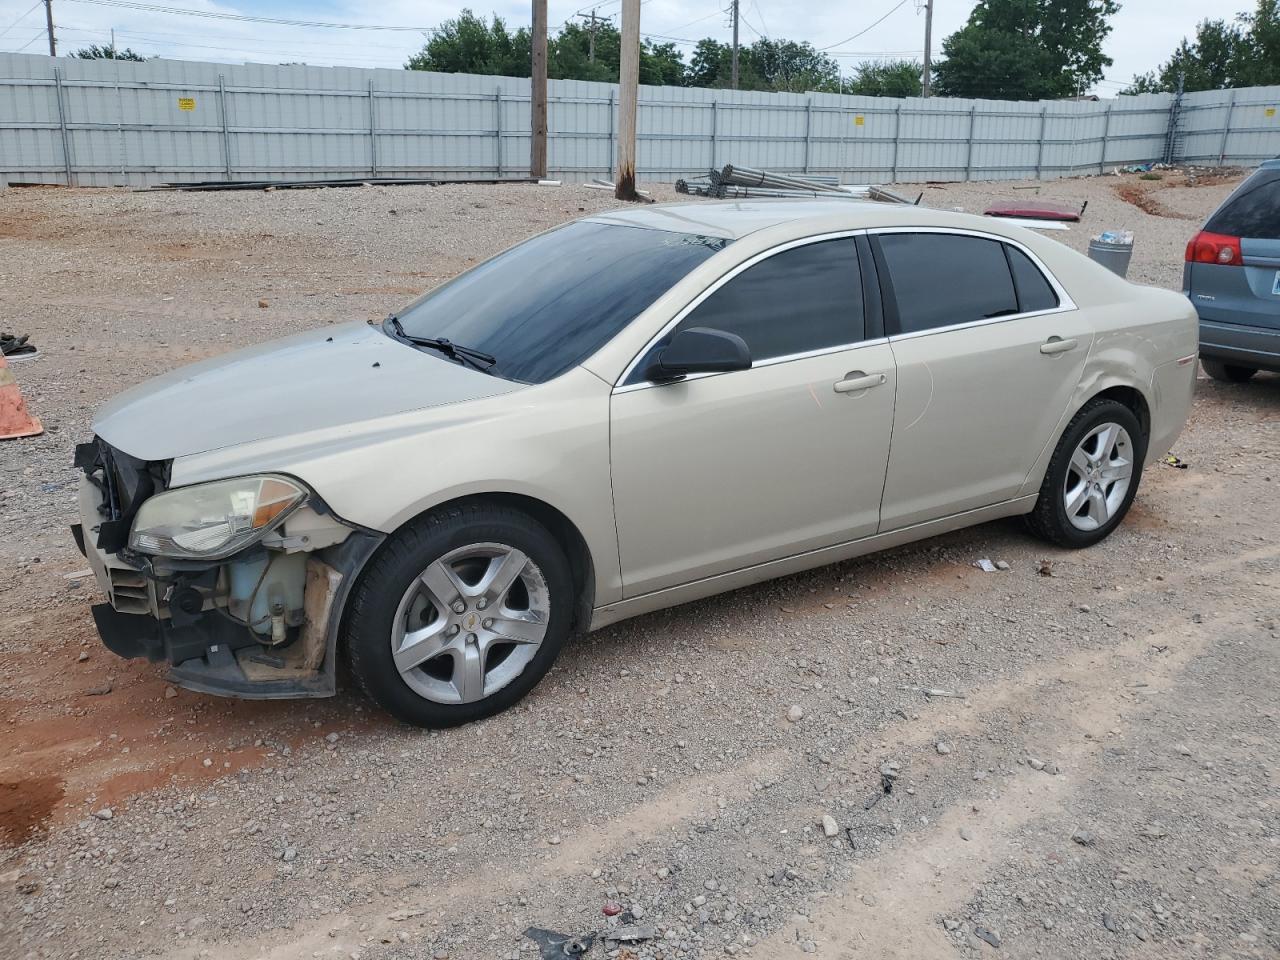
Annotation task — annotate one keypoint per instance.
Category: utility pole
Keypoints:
(927, 79)
(591, 34)
(733, 81)
(628, 94)
(48, 19)
(538, 93)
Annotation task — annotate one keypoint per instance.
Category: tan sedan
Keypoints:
(622, 414)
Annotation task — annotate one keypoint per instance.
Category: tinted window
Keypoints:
(549, 303)
(940, 279)
(1254, 212)
(806, 298)
(1034, 292)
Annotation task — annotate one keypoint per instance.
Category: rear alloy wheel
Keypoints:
(459, 615)
(1226, 372)
(1092, 476)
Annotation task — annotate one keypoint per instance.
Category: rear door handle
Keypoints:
(1058, 345)
(856, 380)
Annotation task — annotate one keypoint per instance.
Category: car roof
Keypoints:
(733, 219)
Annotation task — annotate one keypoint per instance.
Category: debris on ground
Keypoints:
(889, 773)
(632, 933)
(1172, 461)
(1036, 210)
(15, 347)
(740, 182)
(990, 936)
(934, 692)
(985, 565)
(557, 946)
(1045, 568)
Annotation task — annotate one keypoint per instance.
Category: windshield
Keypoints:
(549, 303)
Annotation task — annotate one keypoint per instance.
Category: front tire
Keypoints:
(1226, 372)
(459, 615)
(1092, 477)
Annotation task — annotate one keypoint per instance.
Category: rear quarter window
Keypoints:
(1253, 212)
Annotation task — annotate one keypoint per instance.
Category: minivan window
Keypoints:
(941, 279)
(1034, 291)
(802, 299)
(1252, 213)
(549, 303)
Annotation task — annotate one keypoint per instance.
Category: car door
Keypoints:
(718, 472)
(988, 349)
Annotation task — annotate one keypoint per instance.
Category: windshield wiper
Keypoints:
(454, 351)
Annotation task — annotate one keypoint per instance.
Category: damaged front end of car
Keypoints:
(238, 584)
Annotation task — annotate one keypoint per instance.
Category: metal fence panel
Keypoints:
(110, 122)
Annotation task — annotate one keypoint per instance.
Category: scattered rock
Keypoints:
(262, 304)
(104, 814)
(83, 657)
(1082, 837)
(170, 692)
(101, 690)
(1002, 564)
(1155, 830)
(829, 826)
(965, 834)
(795, 714)
(942, 747)
(990, 936)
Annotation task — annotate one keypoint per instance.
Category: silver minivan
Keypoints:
(1232, 275)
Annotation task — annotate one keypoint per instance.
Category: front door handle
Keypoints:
(1058, 345)
(856, 380)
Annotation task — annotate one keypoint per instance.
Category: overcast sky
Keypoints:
(1145, 31)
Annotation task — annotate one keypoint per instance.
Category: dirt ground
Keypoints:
(1105, 781)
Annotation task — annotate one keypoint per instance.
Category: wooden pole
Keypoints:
(48, 19)
(926, 84)
(733, 79)
(538, 93)
(628, 94)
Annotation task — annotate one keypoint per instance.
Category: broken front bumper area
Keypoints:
(180, 612)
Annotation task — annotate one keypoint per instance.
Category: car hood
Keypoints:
(311, 381)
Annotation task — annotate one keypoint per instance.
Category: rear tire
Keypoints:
(1226, 372)
(459, 615)
(1082, 498)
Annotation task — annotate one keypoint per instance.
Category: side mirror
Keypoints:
(699, 350)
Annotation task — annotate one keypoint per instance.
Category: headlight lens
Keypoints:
(213, 520)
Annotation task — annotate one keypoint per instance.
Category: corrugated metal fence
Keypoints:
(105, 122)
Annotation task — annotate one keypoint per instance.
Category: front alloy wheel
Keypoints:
(470, 623)
(459, 614)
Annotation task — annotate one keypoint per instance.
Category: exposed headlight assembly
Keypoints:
(210, 521)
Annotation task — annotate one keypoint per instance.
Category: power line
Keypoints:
(247, 18)
(21, 18)
(877, 23)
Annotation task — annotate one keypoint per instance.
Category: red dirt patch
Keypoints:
(26, 805)
(66, 750)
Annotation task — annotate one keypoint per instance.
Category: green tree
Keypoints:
(1027, 49)
(1210, 62)
(790, 67)
(108, 52)
(887, 78)
(467, 44)
(1241, 53)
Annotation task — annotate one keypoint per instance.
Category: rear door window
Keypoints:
(1253, 213)
(1034, 291)
(943, 279)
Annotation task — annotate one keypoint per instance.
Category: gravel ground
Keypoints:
(1104, 783)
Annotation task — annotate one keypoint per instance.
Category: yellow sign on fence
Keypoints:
(859, 121)
(1270, 111)
(186, 103)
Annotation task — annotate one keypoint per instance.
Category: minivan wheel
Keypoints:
(1226, 372)
(459, 615)
(1092, 477)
